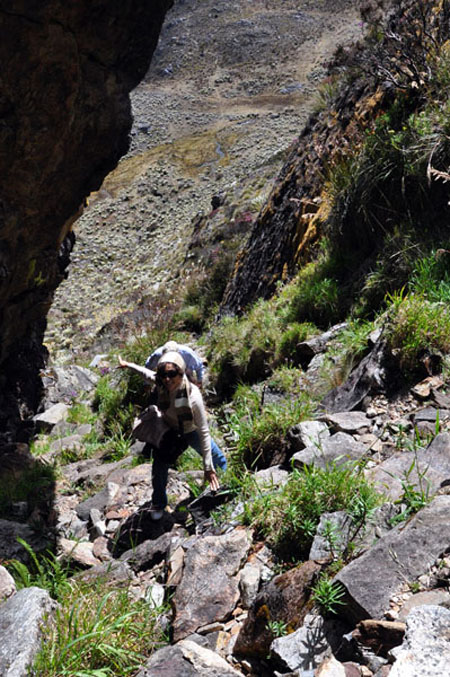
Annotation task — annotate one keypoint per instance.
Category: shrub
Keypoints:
(288, 519)
(315, 296)
(243, 349)
(259, 431)
(417, 328)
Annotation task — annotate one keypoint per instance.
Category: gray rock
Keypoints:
(69, 443)
(249, 584)
(349, 421)
(155, 595)
(100, 501)
(69, 382)
(307, 433)
(342, 530)
(431, 415)
(273, 476)
(7, 584)
(111, 573)
(81, 553)
(403, 554)
(187, 659)
(439, 597)
(50, 417)
(332, 535)
(333, 668)
(219, 559)
(305, 648)
(426, 469)
(21, 618)
(338, 448)
(9, 546)
(306, 350)
(145, 555)
(425, 651)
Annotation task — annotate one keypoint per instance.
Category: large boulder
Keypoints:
(21, 619)
(187, 659)
(283, 600)
(426, 647)
(401, 555)
(209, 589)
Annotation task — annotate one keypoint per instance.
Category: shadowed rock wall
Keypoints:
(67, 70)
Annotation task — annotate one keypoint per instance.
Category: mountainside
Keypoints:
(230, 87)
(378, 88)
(325, 551)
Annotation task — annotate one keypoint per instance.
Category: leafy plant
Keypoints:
(278, 628)
(328, 595)
(44, 571)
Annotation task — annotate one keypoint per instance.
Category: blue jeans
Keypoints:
(160, 470)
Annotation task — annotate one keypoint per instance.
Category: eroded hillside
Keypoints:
(231, 85)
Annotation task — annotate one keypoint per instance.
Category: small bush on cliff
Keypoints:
(417, 328)
(243, 349)
(316, 295)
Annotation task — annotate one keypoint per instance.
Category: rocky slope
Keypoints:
(251, 619)
(231, 85)
(68, 70)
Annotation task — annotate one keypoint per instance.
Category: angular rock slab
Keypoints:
(349, 421)
(402, 555)
(339, 448)
(187, 659)
(303, 649)
(209, 589)
(307, 433)
(50, 417)
(426, 648)
(283, 599)
(21, 618)
(432, 464)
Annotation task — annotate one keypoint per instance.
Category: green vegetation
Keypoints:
(418, 328)
(98, 633)
(33, 484)
(259, 430)
(45, 571)
(287, 519)
(328, 595)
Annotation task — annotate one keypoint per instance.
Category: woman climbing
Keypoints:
(182, 407)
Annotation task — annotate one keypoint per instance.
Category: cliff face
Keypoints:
(67, 70)
(372, 88)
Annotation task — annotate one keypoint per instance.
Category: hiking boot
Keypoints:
(156, 513)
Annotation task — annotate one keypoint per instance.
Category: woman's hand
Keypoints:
(122, 363)
(211, 477)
